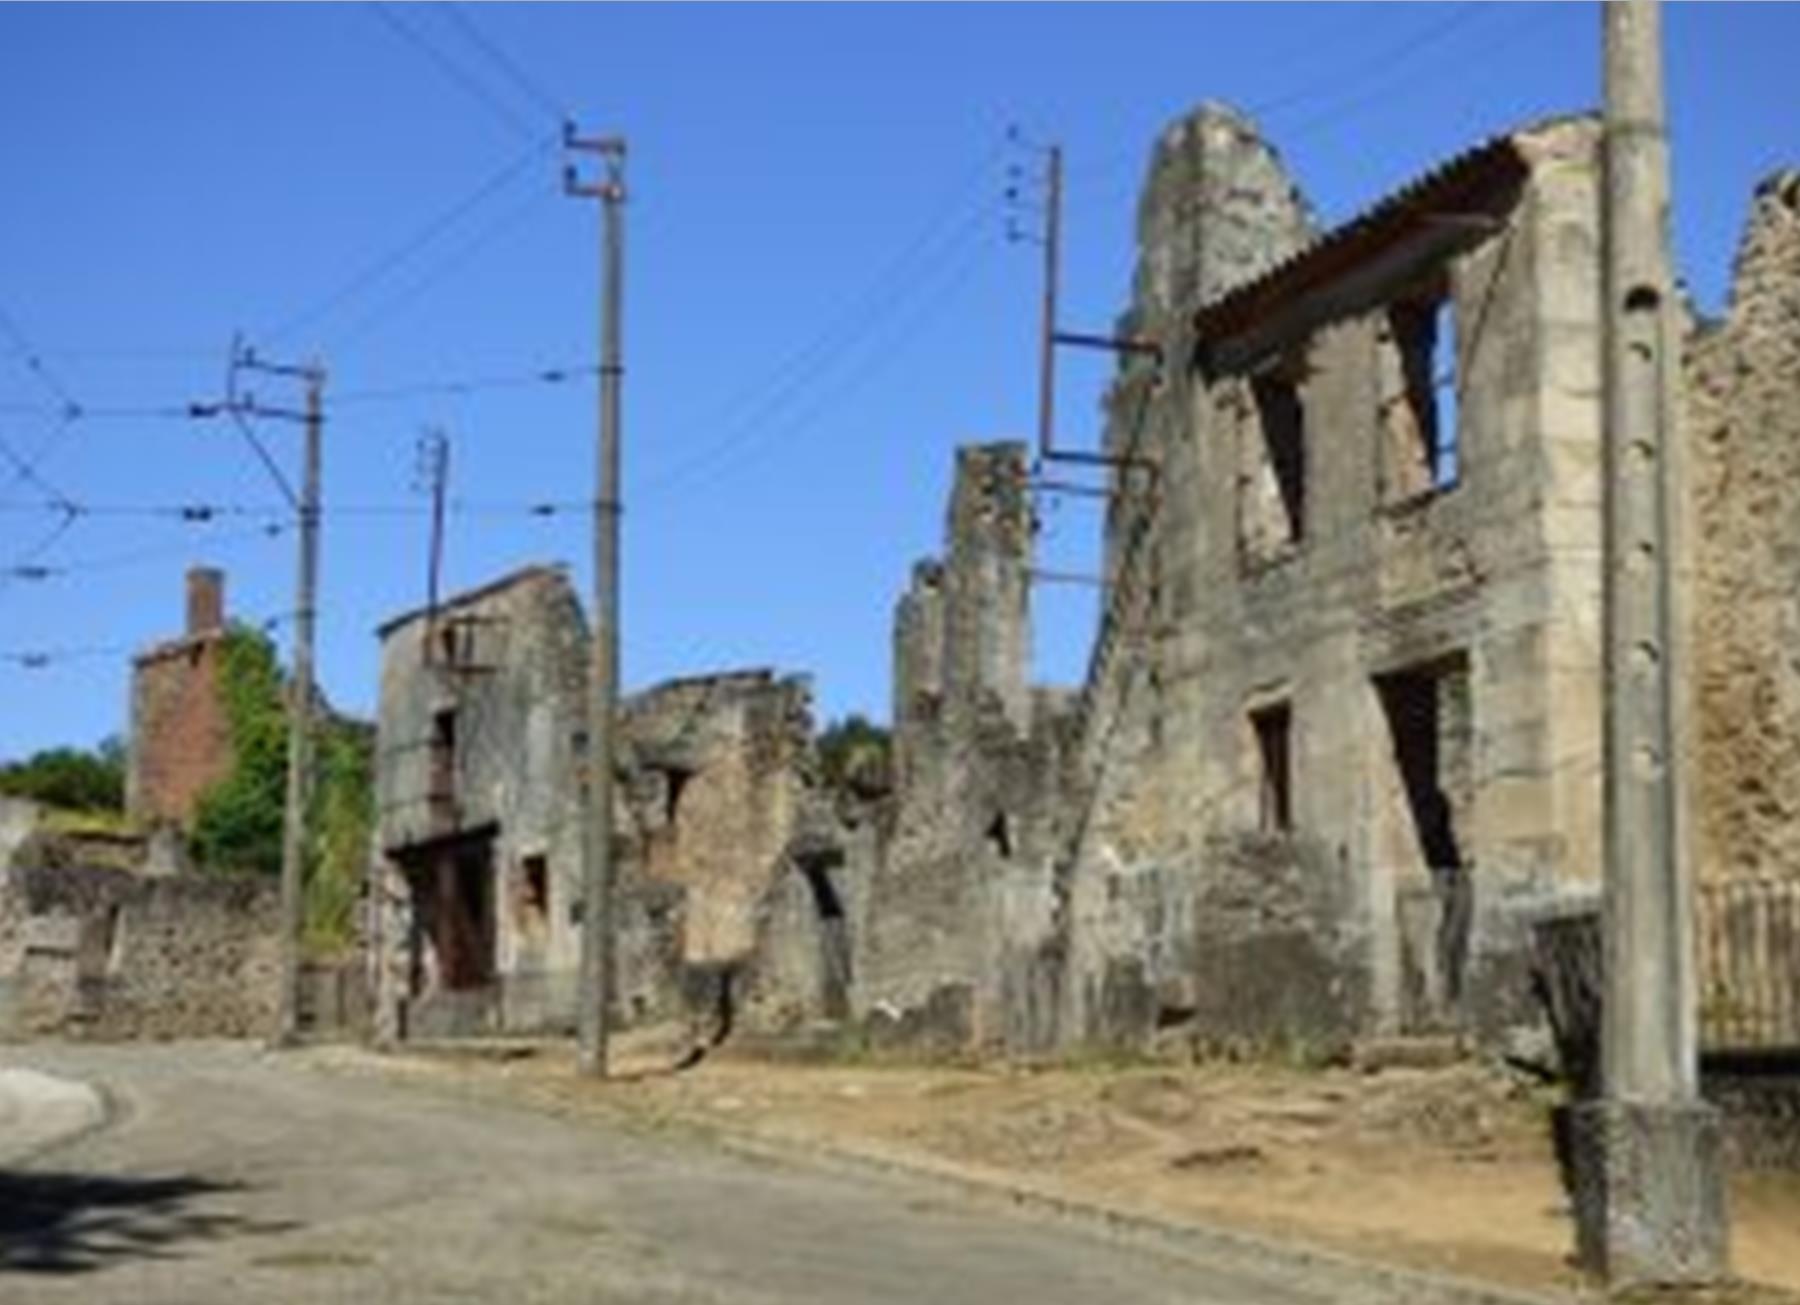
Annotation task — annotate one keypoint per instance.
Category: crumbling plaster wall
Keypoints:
(1743, 429)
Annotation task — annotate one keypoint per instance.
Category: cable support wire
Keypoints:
(34, 363)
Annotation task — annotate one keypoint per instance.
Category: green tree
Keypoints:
(75, 778)
(238, 822)
(854, 756)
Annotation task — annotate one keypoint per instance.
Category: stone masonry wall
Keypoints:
(1743, 431)
(97, 952)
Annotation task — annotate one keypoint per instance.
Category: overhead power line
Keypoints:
(449, 67)
(408, 248)
(38, 572)
(533, 89)
(454, 261)
(204, 512)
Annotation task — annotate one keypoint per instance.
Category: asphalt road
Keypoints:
(228, 1175)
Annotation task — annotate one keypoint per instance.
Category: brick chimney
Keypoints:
(205, 600)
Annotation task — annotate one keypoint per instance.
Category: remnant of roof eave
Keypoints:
(533, 571)
(1464, 184)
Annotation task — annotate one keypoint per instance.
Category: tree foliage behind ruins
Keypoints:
(854, 756)
(238, 822)
(75, 779)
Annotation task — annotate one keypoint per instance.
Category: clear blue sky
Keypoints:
(821, 301)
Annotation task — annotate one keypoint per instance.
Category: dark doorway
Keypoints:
(1431, 726)
(453, 896)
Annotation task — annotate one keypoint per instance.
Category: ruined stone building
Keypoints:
(730, 899)
(1340, 740)
(1339, 743)
(180, 736)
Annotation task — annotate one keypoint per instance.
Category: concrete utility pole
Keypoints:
(1650, 1204)
(300, 719)
(595, 1008)
(240, 407)
(434, 466)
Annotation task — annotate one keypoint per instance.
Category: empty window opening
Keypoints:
(1273, 727)
(447, 644)
(534, 889)
(1421, 384)
(442, 777)
(1281, 415)
(999, 836)
(1428, 716)
(675, 782)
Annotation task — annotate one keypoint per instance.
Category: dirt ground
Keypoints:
(1447, 1169)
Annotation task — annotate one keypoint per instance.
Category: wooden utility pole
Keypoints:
(1651, 1207)
(594, 1016)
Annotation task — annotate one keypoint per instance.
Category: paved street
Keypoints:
(228, 1176)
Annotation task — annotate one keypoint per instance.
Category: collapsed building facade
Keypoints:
(726, 850)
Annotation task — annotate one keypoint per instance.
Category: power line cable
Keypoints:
(449, 67)
(121, 561)
(424, 236)
(877, 296)
(825, 355)
(755, 436)
(1382, 62)
(205, 512)
(453, 262)
(509, 67)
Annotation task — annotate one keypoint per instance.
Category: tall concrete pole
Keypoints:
(596, 999)
(300, 722)
(1654, 1208)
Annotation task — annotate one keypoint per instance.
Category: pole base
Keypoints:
(1648, 1189)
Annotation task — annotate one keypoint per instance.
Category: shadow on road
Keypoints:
(74, 1223)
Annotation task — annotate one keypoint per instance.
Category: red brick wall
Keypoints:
(180, 738)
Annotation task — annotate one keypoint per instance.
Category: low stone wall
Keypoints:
(100, 953)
